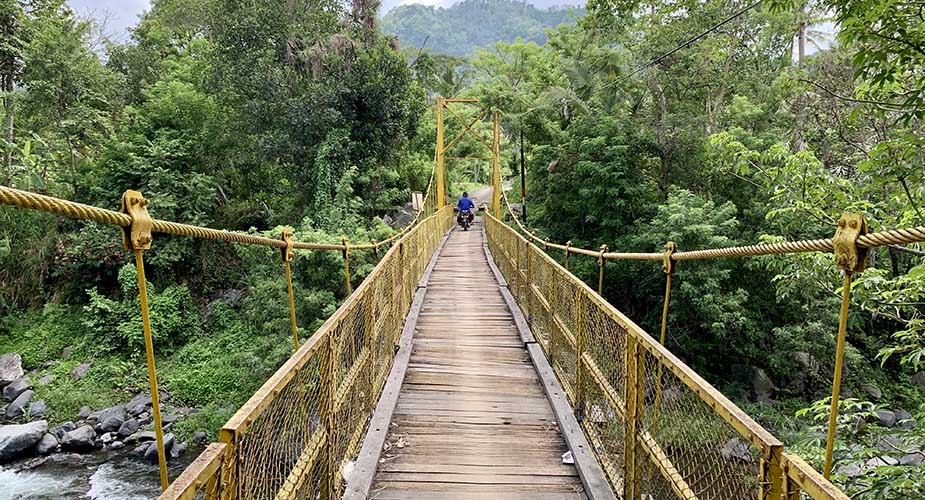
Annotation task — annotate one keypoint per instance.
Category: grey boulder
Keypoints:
(10, 368)
(15, 388)
(82, 438)
(17, 408)
(37, 409)
(15, 439)
(128, 428)
(48, 444)
(81, 371)
(151, 454)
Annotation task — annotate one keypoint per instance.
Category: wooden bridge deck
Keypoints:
(472, 419)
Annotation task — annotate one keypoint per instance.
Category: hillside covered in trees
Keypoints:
(473, 24)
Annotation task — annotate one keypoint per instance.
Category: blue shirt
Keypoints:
(465, 204)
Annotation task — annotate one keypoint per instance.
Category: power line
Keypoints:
(660, 58)
(685, 44)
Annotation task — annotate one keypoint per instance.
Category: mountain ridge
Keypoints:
(469, 25)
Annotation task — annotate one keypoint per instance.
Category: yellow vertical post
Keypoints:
(601, 261)
(568, 246)
(440, 170)
(137, 238)
(771, 481)
(346, 254)
(328, 417)
(634, 399)
(668, 267)
(579, 353)
(850, 258)
(836, 382)
(496, 168)
(287, 253)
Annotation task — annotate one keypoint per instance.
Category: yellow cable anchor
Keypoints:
(137, 237)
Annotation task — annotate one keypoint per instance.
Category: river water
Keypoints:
(96, 476)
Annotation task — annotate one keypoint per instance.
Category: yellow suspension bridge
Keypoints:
(474, 365)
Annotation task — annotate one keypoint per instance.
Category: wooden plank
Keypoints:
(472, 416)
(361, 480)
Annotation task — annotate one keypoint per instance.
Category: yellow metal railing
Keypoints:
(352, 367)
(658, 429)
(293, 437)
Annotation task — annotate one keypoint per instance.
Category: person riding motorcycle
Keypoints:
(466, 206)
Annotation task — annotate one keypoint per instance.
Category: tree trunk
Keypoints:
(8, 126)
(661, 139)
(801, 43)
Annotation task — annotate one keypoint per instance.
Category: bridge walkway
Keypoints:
(472, 419)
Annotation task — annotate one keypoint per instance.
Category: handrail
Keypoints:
(57, 206)
(622, 380)
(869, 240)
(295, 433)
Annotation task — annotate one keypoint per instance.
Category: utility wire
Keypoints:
(662, 57)
(685, 44)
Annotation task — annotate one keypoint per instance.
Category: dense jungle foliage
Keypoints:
(304, 113)
(464, 27)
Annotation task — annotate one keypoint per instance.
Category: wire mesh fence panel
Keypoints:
(695, 449)
(284, 440)
(658, 429)
(293, 438)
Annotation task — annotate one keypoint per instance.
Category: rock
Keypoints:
(177, 450)
(199, 437)
(61, 429)
(103, 415)
(128, 428)
(84, 412)
(15, 439)
(736, 449)
(66, 353)
(886, 418)
(82, 438)
(904, 419)
(107, 438)
(851, 470)
(763, 386)
(81, 371)
(117, 445)
(919, 379)
(147, 436)
(141, 449)
(846, 393)
(913, 459)
(46, 379)
(151, 453)
(880, 461)
(37, 409)
(10, 368)
(169, 419)
(112, 424)
(15, 388)
(17, 408)
(807, 362)
(138, 404)
(48, 444)
(872, 391)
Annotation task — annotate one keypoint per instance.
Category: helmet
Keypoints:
(465, 194)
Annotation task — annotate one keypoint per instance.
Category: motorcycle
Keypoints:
(464, 219)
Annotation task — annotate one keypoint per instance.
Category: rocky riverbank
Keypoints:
(24, 433)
